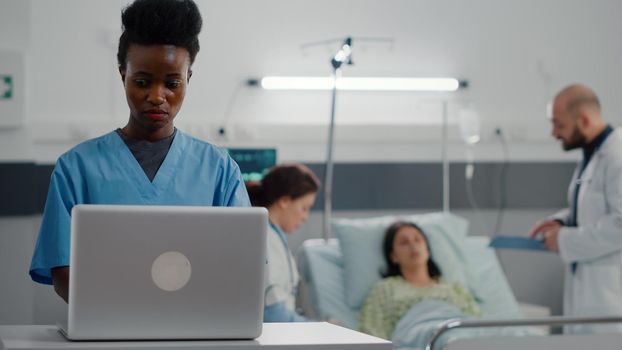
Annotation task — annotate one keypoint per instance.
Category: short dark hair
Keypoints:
(294, 180)
(579, 96)
(160, 22)
(393, 269)
(582, 101)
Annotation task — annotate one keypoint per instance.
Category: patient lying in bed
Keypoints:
(412, 277)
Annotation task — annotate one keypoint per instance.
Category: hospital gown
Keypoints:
(392, 297)
(104, 171)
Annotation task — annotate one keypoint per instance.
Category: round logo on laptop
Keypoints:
(171, 271)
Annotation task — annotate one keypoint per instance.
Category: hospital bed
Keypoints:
(338, 273)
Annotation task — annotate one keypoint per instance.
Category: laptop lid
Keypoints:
(166, 272)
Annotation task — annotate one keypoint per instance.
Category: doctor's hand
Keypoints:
(541, 227)
(550, 238)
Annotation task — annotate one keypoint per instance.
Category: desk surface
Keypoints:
(281, 336)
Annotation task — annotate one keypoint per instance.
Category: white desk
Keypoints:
(276, 336)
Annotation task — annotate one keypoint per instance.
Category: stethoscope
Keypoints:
(281, 235)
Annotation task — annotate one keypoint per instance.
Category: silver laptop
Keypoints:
(166, 272)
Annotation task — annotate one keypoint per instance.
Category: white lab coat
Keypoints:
(595, 288)
(282, 273)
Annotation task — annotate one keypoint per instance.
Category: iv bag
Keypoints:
(468, 120)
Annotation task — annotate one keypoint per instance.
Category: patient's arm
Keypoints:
(60, 279)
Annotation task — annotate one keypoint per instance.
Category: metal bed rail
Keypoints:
(549, 321)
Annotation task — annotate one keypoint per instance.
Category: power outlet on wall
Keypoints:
(514, 133)
(221, 133)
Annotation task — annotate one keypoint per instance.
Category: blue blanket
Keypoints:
(417, 327)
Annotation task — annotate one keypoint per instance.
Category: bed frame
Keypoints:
(553, 342)
(531, 342)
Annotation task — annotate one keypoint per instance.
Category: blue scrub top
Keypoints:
(104, 171)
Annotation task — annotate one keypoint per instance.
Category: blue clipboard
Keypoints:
(517, 242)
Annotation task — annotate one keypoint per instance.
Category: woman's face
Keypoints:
(295, 211)
(155, 81)
(409, 248)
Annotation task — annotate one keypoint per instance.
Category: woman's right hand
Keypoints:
(60, 279)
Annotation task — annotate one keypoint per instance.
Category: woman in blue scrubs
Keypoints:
(288, 191)
(148, 161)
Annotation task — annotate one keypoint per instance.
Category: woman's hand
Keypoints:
(60, 279)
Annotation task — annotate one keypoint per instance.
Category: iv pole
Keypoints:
(344, 55)
(445, 158)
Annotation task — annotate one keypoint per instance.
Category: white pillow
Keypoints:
(487, 280)
(361, 246)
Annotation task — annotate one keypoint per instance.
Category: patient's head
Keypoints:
(288, 191)
(406, 247)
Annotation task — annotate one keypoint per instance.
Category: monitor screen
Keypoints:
(253, 162)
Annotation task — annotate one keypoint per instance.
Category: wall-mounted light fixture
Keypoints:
(359, 83)
(337, 82)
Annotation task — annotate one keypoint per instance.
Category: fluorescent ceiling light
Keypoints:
(362, 84)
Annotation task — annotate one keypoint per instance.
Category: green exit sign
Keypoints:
(6, 87)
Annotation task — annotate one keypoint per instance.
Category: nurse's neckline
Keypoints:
(123, 131)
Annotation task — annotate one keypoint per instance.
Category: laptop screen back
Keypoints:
(166, 272)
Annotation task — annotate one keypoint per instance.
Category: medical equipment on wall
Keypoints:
(254, 163)
(12, 89)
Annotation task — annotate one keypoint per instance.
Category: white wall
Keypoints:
(17, 237)
(15, 143)
(21, 300)
(15, 24)
(515, 54)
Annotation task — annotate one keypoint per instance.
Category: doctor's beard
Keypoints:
(576, 140)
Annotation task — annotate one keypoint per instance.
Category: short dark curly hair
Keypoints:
(160, 22)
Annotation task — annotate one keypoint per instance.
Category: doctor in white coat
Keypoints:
(288, 191)
(588, 235)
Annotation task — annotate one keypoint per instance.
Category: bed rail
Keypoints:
(549, 321)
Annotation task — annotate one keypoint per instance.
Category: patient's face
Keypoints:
(410, 248)
(296, 211)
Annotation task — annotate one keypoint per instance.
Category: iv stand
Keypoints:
(445, 158)
(342, 56)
